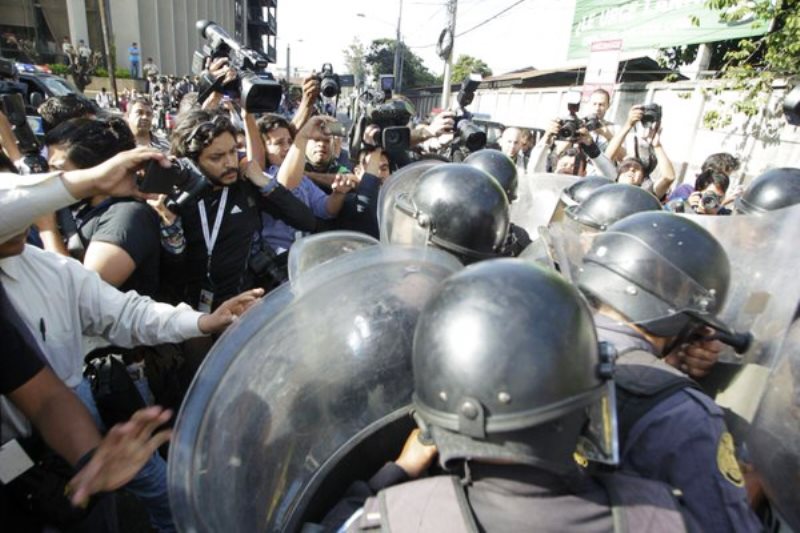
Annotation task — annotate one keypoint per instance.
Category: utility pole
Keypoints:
(288, 62)
(111, 61)
(448, 62)
(396, 70)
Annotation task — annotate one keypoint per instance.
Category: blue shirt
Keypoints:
(133, 53)
(277, 233)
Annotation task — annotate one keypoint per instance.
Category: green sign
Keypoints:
(649, 24)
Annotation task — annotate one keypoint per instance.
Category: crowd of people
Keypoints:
(126, 262)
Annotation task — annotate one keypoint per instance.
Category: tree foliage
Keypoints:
(752, 65)
(354, 59)
(466, 65)
(380, 58)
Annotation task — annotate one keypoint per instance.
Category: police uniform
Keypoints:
(512, 497)
(681, 438)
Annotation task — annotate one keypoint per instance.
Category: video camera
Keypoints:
(13, 107)
(256, 88)
(377, 107)
(467, 134)
(181, 182)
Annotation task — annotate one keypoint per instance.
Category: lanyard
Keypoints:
(211, 239)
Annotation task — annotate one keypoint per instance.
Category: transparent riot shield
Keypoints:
(302, 378)
(538, 197)
(401, 182)
(317, 250)
(774, 440)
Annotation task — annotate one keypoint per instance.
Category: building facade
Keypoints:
(33, 30)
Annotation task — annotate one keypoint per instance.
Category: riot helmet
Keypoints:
(609, 203)
(774, 189)
(455, 207)
(499, 166)
(506, 350)
(662, 271)
(577, 193)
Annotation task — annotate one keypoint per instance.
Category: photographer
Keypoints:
(117, 238)
(599, 102)
(284, 164)
(710, 189)
(568, 161)
(220, 220)
(652, 117)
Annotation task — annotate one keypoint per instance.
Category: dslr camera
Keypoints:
(256, 89)
(181, 182)
(710, 200)
(467, 134)
(329, 83)
(651, 114)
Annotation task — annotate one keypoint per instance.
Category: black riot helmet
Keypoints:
(774, 189)
(662, 271)
(576, 193)
(504, 351)
(455, 207)
(609, 203)
(499, 166)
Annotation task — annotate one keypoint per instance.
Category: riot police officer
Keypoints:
(507, 418)
(455, 207)
(774, 189)
(499, 166)
(657, 281)
(609, 203)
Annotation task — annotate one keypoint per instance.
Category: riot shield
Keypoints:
(302, 378)
(537, 199)
(401, 182)
(774, 442)
(316, 250)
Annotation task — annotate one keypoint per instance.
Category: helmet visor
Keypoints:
(406, 228)
(599, 442)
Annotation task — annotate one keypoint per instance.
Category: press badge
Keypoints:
(206, 301)
(13, 461)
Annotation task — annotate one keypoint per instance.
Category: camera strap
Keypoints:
(211, 238)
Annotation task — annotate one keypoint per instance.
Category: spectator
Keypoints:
(68, 50)
(140, 121)
(150, 68)
(84, 52)
(133, 59)
(103, 99)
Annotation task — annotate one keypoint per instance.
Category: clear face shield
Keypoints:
(407, 226)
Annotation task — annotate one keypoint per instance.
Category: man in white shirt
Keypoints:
(103, 99)
(59, 300)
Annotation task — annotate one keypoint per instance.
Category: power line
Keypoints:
(518, 2)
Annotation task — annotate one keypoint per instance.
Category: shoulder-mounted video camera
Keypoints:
(256, 88)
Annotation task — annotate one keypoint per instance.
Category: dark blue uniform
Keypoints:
(682, 440)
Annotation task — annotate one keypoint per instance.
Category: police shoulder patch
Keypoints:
(726, 460)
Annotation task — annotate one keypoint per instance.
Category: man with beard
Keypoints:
(322, 166)
(140, 120)
(219, 223)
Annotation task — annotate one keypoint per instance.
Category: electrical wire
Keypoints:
(475, 27)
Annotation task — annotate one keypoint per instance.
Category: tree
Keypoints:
(380, 58)
(752, 65)
(355, 61)
(466, 65)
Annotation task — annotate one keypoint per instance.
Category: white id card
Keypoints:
(206, 301)
(13, 461)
